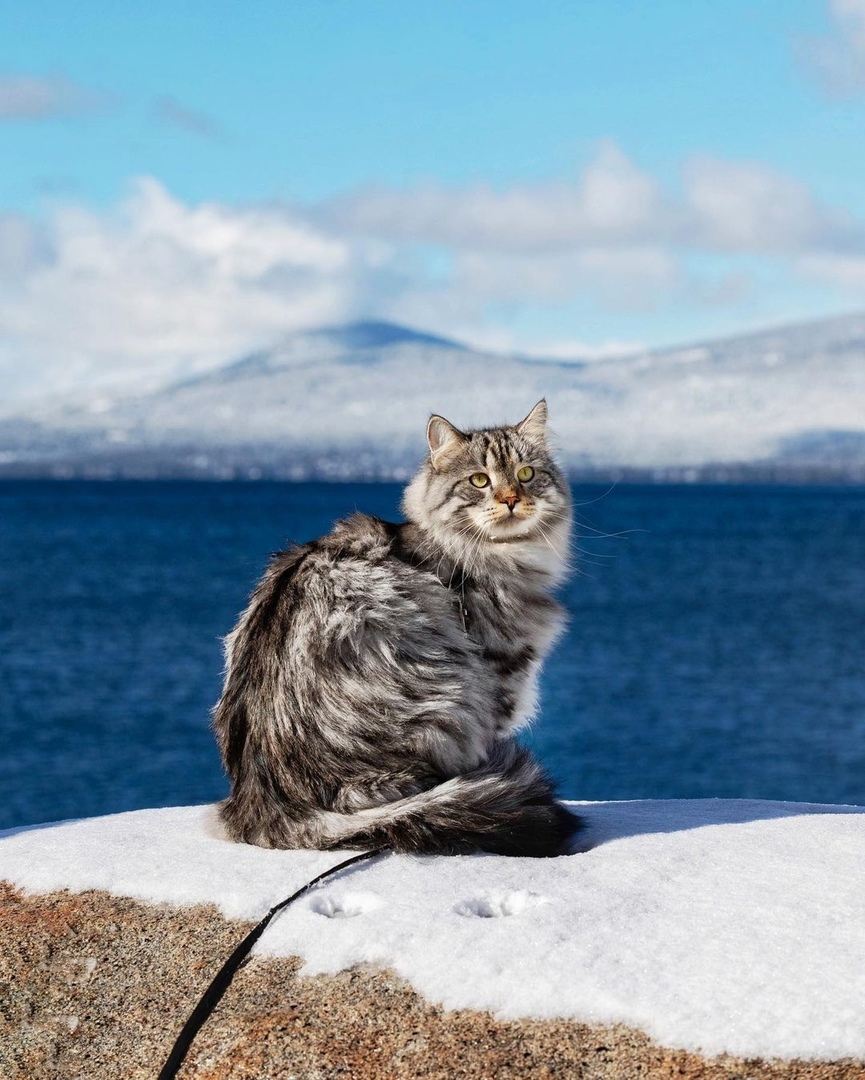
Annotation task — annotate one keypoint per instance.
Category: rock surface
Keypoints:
(96, 986)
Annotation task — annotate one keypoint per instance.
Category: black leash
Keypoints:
(213, 994)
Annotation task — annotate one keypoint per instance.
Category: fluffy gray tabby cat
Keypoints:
(374, 682)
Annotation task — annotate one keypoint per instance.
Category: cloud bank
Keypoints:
(721, 206)
(155, 288)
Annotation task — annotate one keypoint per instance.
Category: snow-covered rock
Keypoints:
(716, 926)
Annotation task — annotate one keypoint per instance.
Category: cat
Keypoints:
(375, 680)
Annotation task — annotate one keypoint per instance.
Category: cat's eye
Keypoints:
(479, 479)
(525, 473)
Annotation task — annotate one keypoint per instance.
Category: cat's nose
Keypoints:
(509, 498)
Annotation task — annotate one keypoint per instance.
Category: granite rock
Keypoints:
(97, 986)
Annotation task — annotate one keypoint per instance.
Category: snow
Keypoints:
(713, 925)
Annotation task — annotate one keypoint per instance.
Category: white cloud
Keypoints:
(23, 247)
(158, 287)
(721, 206)
(746, 206)
(838, 58)
(613, 202)
(846, 272)
(33, 97)
(621, 278)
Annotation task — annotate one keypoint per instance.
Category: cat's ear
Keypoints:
(535, 424)
(443, 439)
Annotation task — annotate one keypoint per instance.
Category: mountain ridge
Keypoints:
(351, 401)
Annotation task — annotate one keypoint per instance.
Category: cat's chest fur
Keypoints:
(508, 621)
(506, 616)
(515, 626)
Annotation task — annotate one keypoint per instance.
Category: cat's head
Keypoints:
(495, 493)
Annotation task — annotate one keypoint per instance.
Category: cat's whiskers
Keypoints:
(565, 558)
(472, 549)
(596, 557)
(472, 552)
(599, 534)
(470, 528)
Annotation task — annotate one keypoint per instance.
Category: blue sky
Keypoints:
(561, 177)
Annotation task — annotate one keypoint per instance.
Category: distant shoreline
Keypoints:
(182, 469)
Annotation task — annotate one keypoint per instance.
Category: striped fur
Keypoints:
(375, 679)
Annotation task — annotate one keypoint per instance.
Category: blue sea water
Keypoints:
(716, 644)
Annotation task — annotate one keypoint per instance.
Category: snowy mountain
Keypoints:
(352, 401)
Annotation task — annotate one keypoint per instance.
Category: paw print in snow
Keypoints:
(499, 904)
(344, 905)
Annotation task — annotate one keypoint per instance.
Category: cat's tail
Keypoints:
(507, 807)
